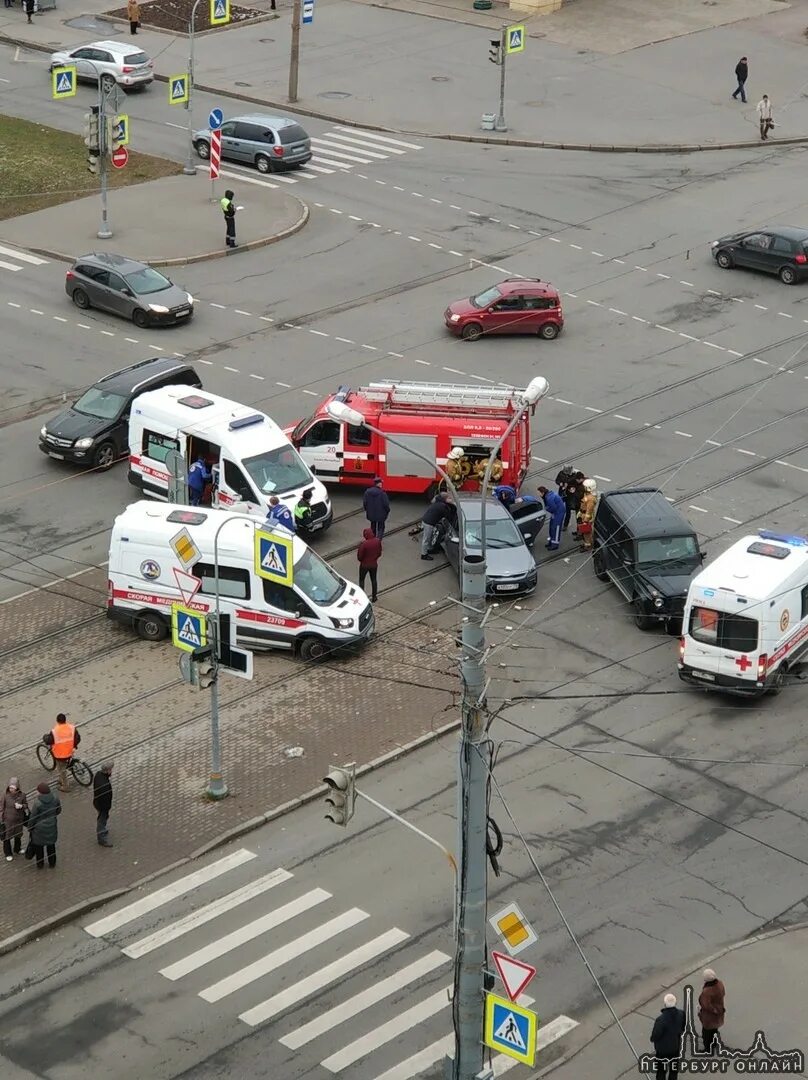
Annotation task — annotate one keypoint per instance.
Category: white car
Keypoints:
(110, 61)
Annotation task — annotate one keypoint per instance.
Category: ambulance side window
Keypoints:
(804, 602)
(233, 582)
(359, 435)
(323, 433)
(156, 446)
(285, 599)
(237, 481)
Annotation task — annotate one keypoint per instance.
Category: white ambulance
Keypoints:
(745, 623)
(318, 613)
(249, 456)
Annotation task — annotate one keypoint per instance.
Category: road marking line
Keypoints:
(183, 885)
(12, 304)
(605, 479)
(789, 465)
(574, 295)
(324, 977)
(638, 318)
(598, 254)
(519, 227)
(458, 254)
(333, 211)
(235, 370)
(417, 239)
(757, 360)
(345, 340)
(222, 307)
(60, 318)
(454, 371)
(370, 348)
(328, 172)
(784, 315)
(700, 509)
(437, 247)
(713, 292)
(238, 311)
(563, 401)
(712, 442)
(577, 247)
(737, 300)
(246, 179)
(416, 194)
(426, 363)
(734, 352)
(23, 256)
(761, 307)
(689, 284)
(644, 270)
(337, 151)
(134, 341)
(659, 326)
(595, 303)
(619, 416)
(667, 277)
(310, 392)
(617, 311)
(546, 1035)
(554, 239)
(740, 450)
(319, 333)
(495, 220)
(363, 144)
(340, 165)
(383, 138)
(266, 318)
(733, 521)
(543, 460)
(591, 408)
(532, 232)
(398, 354)
(287, 385)
(473, 213)
(107, 333)
(261, 377)
(284, 955)
(36, 311)
(10, 266)
(438, 201)
(353, 217)
(453, 207)
(620, 262)
(684, 434)
(81, 325)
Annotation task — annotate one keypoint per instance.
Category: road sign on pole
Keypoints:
(64, 81)
(219, 12)
(183, 546)
(515, 975)
(308, 12)
(178, 89)
(511, 1029)
(188, 628)
(274, 557)
(188, 585)
(120, 157)
(514, 929)
(215, 119)
(515, 39)
(215, 152)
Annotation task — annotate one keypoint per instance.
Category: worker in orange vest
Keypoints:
(63, 738)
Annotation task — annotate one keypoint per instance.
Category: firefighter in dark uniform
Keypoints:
(229, 211)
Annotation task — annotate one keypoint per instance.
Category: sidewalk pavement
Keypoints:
(766, 979)
(165, 222)
(394, 69)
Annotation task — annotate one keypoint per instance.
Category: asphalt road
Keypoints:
(669, 371)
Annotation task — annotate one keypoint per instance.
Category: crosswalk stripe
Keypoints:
(364, 1000)
(318, 168)
(247, 179)
(553, 1030)
(338, 146)
(338, 152)
(244, 934)
(308, 175)
(326, 975)
(363, 144)
(285, 955)
(383, 138)
(9, 266)
(205, 914)
(283, 179)
(337, 164)
(384, 1033)
(23, 256)
(169, 892)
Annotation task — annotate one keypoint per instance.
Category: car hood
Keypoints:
(669, 584)
(508, 562)
(69, 424)
(171, 298)
(463, 307)
(732, 238)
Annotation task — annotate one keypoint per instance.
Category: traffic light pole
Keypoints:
(189, 168)
(294, 51)
(500, 124)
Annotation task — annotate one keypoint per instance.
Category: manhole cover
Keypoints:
(243, 84)
(334, 95)
(441, 78)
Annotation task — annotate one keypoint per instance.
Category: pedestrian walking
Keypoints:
(133, 14)
(741, 74)
(586, 513)
(198, 476)
(377, 507)
(28, 8)
(764, 108)
(436, 513)
(711, 1009)
(13, 815)
(102, 801)
(556, 508)
(280, 514)
(368, 553)
(229, 211)
(63, 739)
(666, 1035)
(42, 827)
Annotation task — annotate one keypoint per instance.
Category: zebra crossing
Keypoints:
(268, 945)
(21, 259)
(336, 151)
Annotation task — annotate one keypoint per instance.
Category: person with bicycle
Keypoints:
(63, 739)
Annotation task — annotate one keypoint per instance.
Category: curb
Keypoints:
(85, 906)
(535, 144)
(220, 253)
(706, 961)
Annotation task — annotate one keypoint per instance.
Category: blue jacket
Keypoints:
(554, 504)
(376, 504)
(281, 515)
(198, 476)
(505, 494)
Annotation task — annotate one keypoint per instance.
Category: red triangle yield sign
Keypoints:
(188, 584)
(514, 974)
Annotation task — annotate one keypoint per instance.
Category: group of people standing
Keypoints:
(669, 1026)
(576, 494)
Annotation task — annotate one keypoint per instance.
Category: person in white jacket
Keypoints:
(764, 108)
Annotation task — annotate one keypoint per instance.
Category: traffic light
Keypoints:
(341, 795)
(204, 664)
(117, 133)
(494, 51)
(92, 139)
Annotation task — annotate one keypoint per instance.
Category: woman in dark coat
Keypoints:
(711, 1008)
(13, 814)
(42, 826)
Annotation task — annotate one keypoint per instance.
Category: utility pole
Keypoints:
(294, 56)
(217, 788)
(189, 168)
(104, 231)
(503, 55)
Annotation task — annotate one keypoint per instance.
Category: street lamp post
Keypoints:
(189, 168)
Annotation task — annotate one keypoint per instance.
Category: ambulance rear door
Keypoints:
(720, 641)
(321, 447)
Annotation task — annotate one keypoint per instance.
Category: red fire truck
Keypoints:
(456, 426)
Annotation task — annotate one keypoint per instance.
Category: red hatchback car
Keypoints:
(515, 306)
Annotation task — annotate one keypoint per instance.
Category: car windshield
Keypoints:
(145, 281)
(486, 298)
(317, 580)
(667, 550)
(499, 533)
(100, 403)
(278, 471)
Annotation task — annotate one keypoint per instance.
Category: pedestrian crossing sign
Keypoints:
(219, 12)
(178, 90)
(64, 81)
(515, 39)
(510, 1029)
(188, 628)
(274, 557)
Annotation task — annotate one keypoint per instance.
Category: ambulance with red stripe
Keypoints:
(161, 555)
(248, 455)
(745, 623)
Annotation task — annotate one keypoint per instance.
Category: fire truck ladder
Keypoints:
(453, 394)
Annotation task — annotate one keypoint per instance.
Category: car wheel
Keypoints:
(104, 456)
(471, 332)
(549, 331)
(778, 681)
(140, 318)
(202, 149)
(107, 82)
(80, 299)
(724, 260)
(263, 164)
(788, 275)
(313, 649)
(641, 620)
(598, 565)
(151, 627)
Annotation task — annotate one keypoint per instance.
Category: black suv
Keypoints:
(649, 551)
(94, 430)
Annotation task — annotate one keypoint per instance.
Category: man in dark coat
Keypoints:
(435, 513)
(102, 801)
(42, 827)
(377, 507)
(741, 74)
(711, 1008)
(368, 553)
(666, 1036)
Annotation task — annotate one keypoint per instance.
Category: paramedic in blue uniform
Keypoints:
(505, 494)
(280, 514)
(556, 508)
(198, 476)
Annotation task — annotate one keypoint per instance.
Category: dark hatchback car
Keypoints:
(129, 288)
(647, 549)
(94, 430)
(780, 250)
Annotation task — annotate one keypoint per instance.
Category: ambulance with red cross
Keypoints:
(745, 624)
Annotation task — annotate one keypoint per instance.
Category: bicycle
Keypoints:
(80, 770)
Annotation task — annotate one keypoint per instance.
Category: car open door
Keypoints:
(530, 517)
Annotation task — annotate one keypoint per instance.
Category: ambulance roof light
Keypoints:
(245, 421)
(796, 541)
(338, 410)
(342, 393)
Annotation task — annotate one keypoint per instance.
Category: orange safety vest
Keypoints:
(64, 737)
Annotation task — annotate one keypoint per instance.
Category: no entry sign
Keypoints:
(120, 157)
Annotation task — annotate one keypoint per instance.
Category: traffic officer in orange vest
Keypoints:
(63, 738)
